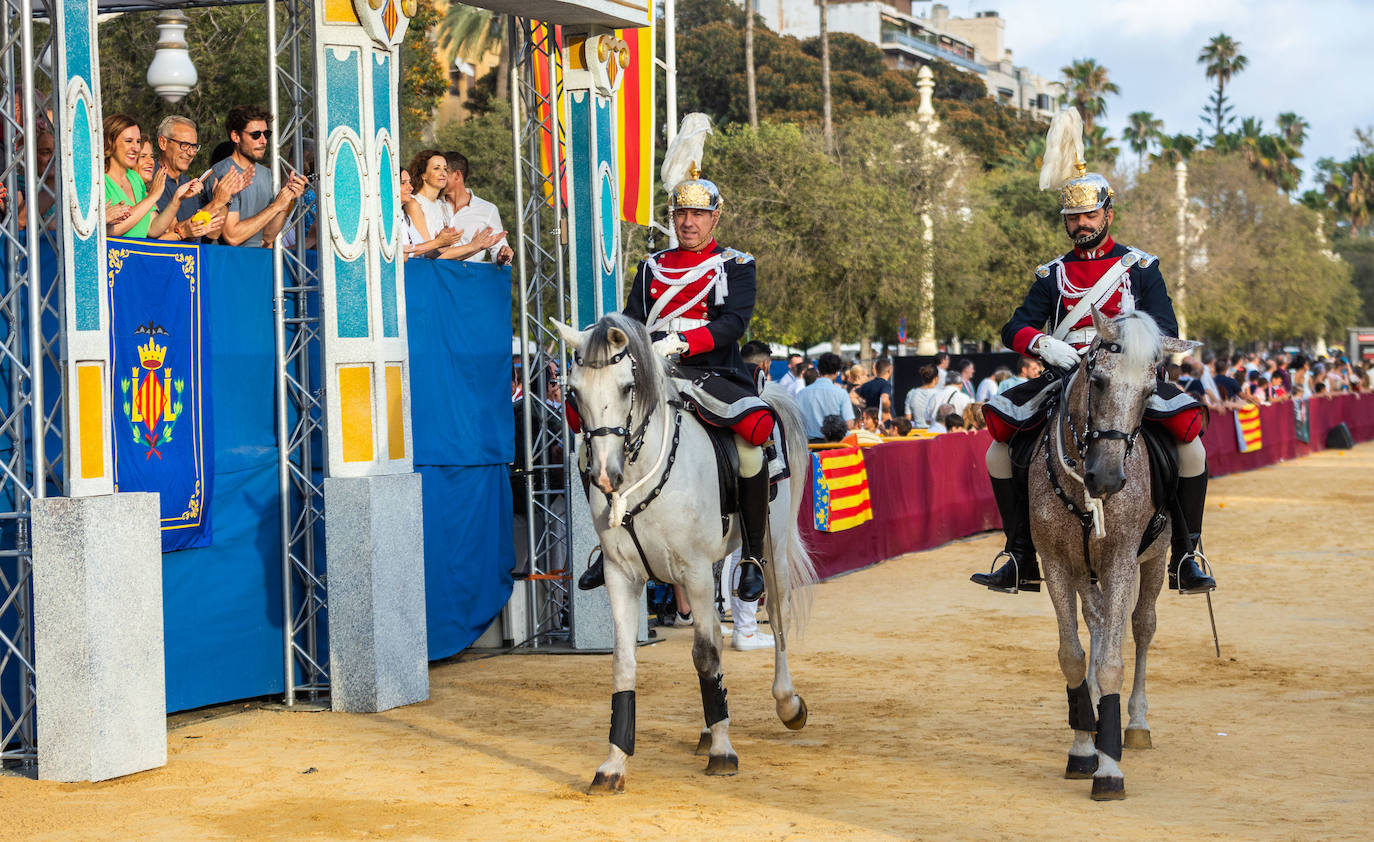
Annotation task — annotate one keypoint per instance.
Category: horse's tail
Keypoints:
(795, 570)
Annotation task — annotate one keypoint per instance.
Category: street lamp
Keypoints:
(172, 74)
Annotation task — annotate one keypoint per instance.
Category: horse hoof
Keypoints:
(1138, 738)
(704, 743)
(1109, 789)
(1081, 767)
(607, 783)
(797, 722)
(723, 764)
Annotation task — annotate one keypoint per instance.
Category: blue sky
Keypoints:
(1313, 58)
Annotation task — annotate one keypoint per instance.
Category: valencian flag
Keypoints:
(551, 103)
(839, 489)
(160, 384)
(1248, 429)
(634, 117)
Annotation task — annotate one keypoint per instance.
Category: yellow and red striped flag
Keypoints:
(634, 118)
(839, 489)
(1248, 429)
(547, 132)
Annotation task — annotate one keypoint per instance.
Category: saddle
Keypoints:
(727, 461)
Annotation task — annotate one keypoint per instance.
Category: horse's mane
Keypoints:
(650, 368)
(1142, 344)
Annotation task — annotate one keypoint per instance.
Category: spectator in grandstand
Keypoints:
(918, 399)
(809, 376)
(1185, 374)
(44, 146)
(1300, 378)
(824, 397)
(254, 216)
(966, 384)
(478, 219)
(973, 417)
(179, 229)
(833, 428)
(792, 381)
(941, 414)
(410, 235)
(953, 422)
(877, 392)
(942, 363)
(953, 394)
(902, 426)
(1027, 368)
(177, 145)
(868, 432)
(124, 186)
(987, 388)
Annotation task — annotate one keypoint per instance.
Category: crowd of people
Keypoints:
(1223, 382)
(151, 191)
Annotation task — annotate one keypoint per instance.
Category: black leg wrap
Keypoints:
(623, 721)
(1109, 725)
(1081, 708)
(713, 698)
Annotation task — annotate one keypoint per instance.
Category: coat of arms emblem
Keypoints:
(152, 399)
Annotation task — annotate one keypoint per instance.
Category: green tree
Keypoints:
(1088, 84)
(1293, 128)
(1143, 131)
(471, 34)
(485, 141)
(423, 79)
(1175, 148)
(1223, 59)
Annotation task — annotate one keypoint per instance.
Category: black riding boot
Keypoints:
(595, 576)
(753, 510)
(1186, 571)
(1021, 572)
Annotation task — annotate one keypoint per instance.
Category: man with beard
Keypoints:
(254, 215)
(1055, 324)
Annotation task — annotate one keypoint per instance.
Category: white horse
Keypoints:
(656, 506)
(1091, 507)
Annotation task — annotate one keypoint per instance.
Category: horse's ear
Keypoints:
(574, 338)
(617, 338)
(1106, 328)
(1179, 346)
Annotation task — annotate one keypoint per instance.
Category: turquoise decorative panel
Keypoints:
(608, 218)
(581, 167)
(76, 22)
(390, 327)
(386, 181)
(350, 294)
(343, 81)
(606, 278)
(84, 155)
(347, 204)
(86, 265)
(381, 92)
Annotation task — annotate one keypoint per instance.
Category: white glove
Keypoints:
(670, 345)
(1056, 352)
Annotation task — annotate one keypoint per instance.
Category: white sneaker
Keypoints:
(682, 622)
(745, 642)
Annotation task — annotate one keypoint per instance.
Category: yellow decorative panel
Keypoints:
(91, 411)
(395, 422)
(355, 412)
(339, 11)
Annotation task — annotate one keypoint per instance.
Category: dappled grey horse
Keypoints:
(655, 503)
(1090, 507)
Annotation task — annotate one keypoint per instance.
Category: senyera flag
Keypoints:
(540, 59)
(839, 489)
(1248, 429)
(634, 117)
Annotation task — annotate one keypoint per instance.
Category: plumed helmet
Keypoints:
(1080, 191)
(681, 171)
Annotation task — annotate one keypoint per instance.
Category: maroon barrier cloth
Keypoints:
(924, 492)
(1277, 432)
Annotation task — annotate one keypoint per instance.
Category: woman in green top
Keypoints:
(124, 187)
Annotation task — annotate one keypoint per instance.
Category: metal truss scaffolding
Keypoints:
(300, 396)
(541, 258)
(31, 312)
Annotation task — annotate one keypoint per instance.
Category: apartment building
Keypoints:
(911, 35)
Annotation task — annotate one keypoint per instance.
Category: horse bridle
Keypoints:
(633, 441)
(1090, 434)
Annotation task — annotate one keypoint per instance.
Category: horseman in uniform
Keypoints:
(1054, 323)
(697, 300)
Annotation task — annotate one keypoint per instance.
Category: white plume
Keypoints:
(685, 151)
(1063, 149)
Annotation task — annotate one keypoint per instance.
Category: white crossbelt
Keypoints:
(1098, 295)
(1082, 336)
(682, 323)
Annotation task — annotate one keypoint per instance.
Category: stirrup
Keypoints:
(1017, 586)
(1204, 566)
(740, 566)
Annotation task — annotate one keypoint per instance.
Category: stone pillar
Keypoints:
(97, 594)
(378, 651)
(927, 124)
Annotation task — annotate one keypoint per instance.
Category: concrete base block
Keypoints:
(97, 615)
(378, 656)
(592, 626)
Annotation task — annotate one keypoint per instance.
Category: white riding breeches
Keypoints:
(1192, 459)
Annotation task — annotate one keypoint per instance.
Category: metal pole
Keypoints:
(526, 358)
(283, 405)
(556, 159)
(670, 87)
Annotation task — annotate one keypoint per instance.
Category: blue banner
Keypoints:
(160, 374)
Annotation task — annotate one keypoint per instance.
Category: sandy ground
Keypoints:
(937, 712)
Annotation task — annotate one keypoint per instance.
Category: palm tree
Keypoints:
(1223, 59)
(827, 123)
(1293, 128)
(1142, 132)
(749, 81)
(470, 33)
(1088, 85)
(1099, 146)
(1177, 148)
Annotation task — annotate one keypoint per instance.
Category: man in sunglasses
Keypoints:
(177, 144)
(255, 216)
